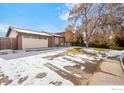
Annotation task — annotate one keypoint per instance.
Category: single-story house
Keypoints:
(33, 39)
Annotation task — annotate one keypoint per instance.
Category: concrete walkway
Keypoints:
(109, 73)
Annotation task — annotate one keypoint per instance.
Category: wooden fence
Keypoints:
(8, 43)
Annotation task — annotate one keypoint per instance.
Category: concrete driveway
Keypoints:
(29, 52)
(60, 67)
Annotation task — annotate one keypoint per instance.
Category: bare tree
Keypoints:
(112, 19)
(89, 17)
(98, 17)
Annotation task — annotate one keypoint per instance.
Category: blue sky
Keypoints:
(51, 17)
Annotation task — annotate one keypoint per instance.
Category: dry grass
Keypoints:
(78, 51)
(74, 51)
(101, 49)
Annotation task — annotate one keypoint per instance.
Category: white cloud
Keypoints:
(64, 16)
(3, 28)
(70, 5)
(64, 11)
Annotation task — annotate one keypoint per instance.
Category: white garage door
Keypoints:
(34, 42)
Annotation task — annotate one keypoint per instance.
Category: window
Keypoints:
(35, 37)
(44, 37)
(39, 37)
(32, 36)
(26, 36)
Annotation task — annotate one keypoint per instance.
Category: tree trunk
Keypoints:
(87, 44)
(86, 30)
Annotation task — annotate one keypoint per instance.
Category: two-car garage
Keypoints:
(33, 39)
(28, 39)
(34, 42)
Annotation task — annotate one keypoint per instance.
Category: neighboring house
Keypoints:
(58, 40)
(68, 37)
(61, 33)
(32, 39)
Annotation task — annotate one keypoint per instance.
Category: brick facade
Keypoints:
(19, 40)
(50, 42)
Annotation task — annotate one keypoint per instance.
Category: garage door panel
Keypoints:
(34, 43)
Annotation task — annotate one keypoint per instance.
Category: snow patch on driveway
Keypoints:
(24, 71)
(17, 69)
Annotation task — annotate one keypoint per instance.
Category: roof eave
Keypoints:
(9, 29)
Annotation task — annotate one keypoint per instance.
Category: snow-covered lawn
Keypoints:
(48, 68)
